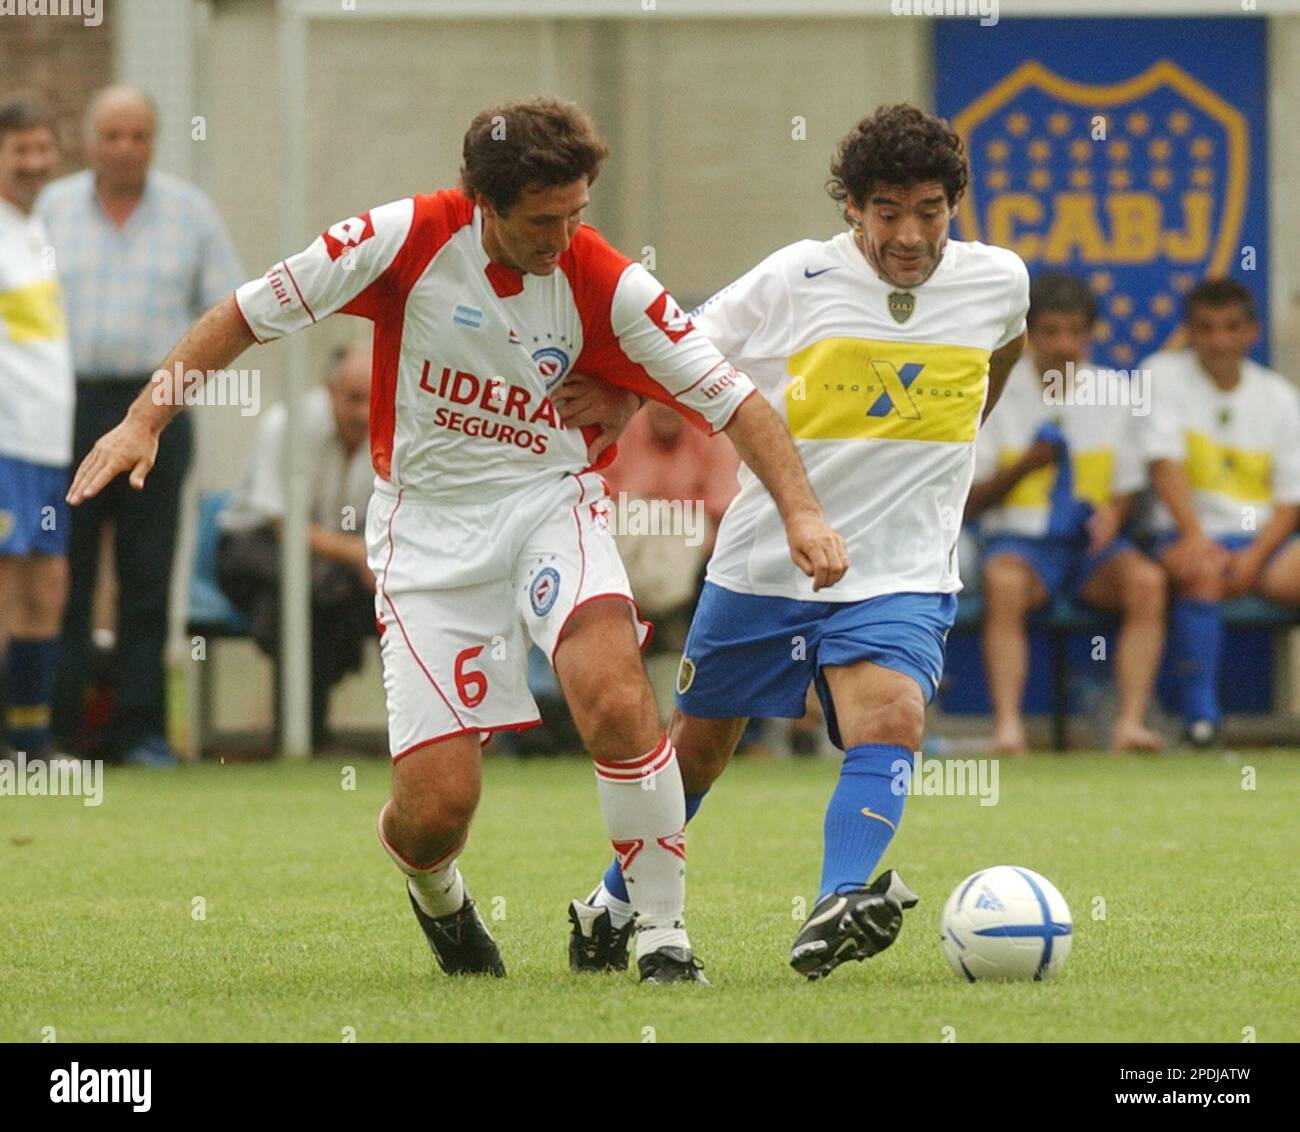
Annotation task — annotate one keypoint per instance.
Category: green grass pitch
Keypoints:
(306, 931)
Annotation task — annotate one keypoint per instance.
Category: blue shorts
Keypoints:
(33, 511)
(1062, 565)
(748, 655)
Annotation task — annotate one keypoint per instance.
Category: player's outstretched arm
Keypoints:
(1000, 363)
(218, 337)
(765, 445)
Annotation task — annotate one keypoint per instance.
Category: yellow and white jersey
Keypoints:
(36, 382)
(1241, 448)
(1104, 442)
(882, 389)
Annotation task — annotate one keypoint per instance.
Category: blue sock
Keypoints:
(870, 780)
(1196, 638)
(32, 667)
(614, 875)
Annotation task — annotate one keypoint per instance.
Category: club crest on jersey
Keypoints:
(543, 590)
(552, 364)
(901, 305)
(685, 675)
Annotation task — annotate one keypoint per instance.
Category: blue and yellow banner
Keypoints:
(1130, 152)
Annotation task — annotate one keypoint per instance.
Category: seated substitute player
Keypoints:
(880, 348)
(1057, 469)
(484, 528)
(1223, 439)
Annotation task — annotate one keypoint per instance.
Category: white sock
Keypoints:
(645, 816)
(620, 911)
(438, 888)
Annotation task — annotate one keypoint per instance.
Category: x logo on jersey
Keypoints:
(896, 382)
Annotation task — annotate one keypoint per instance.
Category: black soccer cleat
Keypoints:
(852, 925)
(594, 943)
(671, 965)
(461, 943)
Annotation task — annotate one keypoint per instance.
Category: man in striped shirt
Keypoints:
(140, 255)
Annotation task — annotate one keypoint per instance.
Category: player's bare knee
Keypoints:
(1145, 590)
(619, 717)
(701, 766)
(428, 820)
(1005, 586)
(1205, 585)
(899, 720)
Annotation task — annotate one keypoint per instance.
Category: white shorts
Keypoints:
(462, 589)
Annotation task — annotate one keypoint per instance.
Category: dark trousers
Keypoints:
(145, 548)
(342, 610)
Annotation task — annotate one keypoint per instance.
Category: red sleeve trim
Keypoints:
(724, 427)
(244, 319)
(285, 265)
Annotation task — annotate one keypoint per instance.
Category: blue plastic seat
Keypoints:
(211, 612)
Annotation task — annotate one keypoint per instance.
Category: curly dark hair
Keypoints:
(535, 144)
(898, 145)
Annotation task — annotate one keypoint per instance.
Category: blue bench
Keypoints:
(212, 616)
(1064, 617)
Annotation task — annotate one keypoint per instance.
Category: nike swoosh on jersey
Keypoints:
(813, 274)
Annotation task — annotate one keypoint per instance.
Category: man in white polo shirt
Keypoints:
(1057, 467)
(335, 427)
(1223, 441)
(36, 399)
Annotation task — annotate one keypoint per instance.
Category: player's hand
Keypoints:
(1242, 572)
(1038, 455)
(1193, 555)
(1102, 526)
(817, 549)
(360, 563)
(583, 400)
(131, 447)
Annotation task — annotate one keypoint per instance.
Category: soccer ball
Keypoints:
(1006, 923)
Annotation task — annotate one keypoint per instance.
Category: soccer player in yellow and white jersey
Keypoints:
(36, 397)
(880, 348)
(1057, 469)
(1223, 439)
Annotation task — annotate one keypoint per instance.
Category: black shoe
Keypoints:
(461, 942)
(594, 943)
(852, 925)
(671, 965)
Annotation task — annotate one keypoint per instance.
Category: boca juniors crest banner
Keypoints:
(1131, 152)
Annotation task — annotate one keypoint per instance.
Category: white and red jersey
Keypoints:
(467, 351)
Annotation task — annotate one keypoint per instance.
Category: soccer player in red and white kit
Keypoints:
(486, 527)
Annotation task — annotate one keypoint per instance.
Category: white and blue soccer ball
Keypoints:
(1006, 923)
